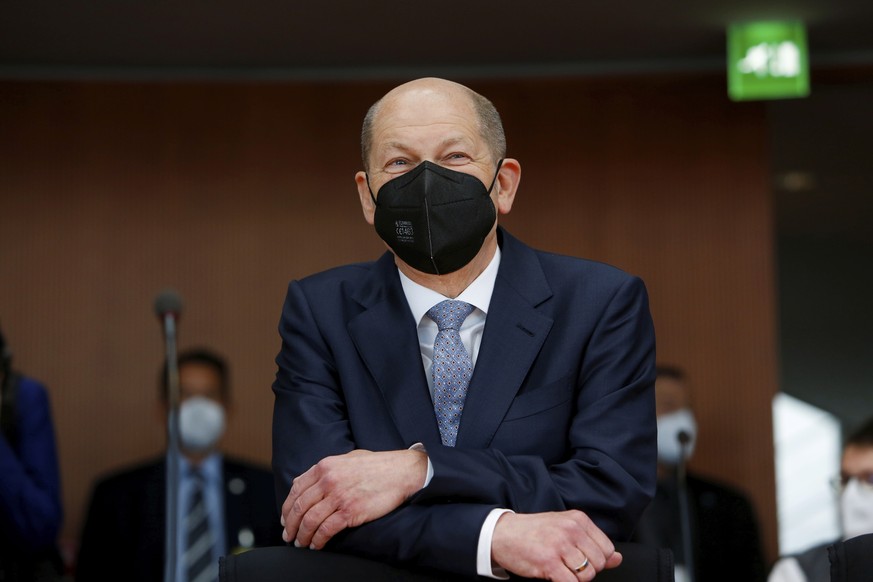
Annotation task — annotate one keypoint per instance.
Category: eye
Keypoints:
(456, 158)
(398, 166)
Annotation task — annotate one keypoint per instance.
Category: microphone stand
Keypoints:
(168, 305)
(684, 509)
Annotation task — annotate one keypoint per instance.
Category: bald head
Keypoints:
(413, 98)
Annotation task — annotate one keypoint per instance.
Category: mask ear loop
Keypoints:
(493, 180)
(367, 177)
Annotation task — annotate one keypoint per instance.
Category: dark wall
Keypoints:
(822, 149)
(110, 192)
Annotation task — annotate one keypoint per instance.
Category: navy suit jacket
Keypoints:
(30, 492)
(124, 532)
(559, 413)
(30, 487)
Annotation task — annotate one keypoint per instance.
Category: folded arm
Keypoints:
(613, 424)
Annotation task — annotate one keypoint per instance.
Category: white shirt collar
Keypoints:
(478, 293)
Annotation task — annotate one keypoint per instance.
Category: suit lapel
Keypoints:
(387, 341)
(386, 338)
(514, 334)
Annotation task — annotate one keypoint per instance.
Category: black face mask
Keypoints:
(433, 218)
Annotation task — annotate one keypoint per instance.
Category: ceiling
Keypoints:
(341, 39)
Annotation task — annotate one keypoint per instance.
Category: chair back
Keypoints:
(289, 564)
(852, 559)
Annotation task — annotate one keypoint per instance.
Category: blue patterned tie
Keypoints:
(452, 367)
(200, 564)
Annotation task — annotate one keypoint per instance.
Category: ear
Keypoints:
(506, 184)
(367, 204)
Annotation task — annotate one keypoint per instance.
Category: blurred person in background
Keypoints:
(233, 500)
(30, 488)
(855, 497)
(724, 536)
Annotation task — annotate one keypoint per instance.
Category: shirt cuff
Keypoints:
(484, 567)
(429, 476)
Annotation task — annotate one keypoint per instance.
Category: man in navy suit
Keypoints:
(554, 454)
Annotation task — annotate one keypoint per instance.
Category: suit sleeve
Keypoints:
(30, 505)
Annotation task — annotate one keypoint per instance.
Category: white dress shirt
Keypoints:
(478, 294)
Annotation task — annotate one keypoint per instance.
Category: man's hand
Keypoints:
(347, 491)
(552, 546)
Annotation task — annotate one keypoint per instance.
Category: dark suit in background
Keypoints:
(559, 412)
(724, 530)
(124, 531)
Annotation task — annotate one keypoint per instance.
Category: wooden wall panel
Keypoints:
(110, 192)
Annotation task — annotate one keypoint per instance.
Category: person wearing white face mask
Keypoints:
(124, 530)
(723, 535)
(855, 498)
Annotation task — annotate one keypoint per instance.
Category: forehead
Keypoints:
(857, 460)
(670, 395)
(670, 389)
(197, 379)
(424, 116)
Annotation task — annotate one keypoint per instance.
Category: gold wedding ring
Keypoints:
(581, 566)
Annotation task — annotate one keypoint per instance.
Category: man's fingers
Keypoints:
(578, 561)
(300, 483)
(335, 523)
(358, 487)
(603, 542)
(596, 558)
(296, 506)
(595, 544)
(310, 510)
(292, 496)
(286, 509)
(306, 479)
(312, 521)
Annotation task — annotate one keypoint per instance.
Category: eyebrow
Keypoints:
(449, 141)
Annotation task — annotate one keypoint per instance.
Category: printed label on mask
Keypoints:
(404, 230)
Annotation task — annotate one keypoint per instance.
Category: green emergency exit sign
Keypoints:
(767, 60)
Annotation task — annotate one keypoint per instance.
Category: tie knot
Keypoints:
(450, 314)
